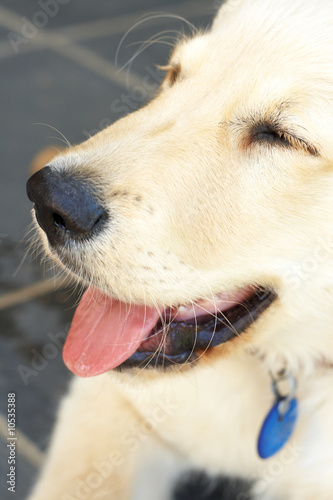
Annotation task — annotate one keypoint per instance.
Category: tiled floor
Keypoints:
(59, 78)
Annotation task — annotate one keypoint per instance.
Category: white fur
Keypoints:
(217, 212)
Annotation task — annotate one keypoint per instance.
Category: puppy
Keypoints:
(202, 227)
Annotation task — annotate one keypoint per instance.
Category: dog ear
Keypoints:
(226, 7)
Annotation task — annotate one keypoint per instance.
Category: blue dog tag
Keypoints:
(277, 427)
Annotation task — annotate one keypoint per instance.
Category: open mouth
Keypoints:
(107, 334)
(179, 341)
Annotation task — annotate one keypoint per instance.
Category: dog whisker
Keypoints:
(152, 17)
(146, 44)
(56, 130)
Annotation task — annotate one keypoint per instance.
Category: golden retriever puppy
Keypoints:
(202, 226)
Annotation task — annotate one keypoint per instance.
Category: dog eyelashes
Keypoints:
(272, 135)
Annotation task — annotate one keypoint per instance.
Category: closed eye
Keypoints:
(270, 134)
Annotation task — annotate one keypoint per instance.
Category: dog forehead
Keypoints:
(297, 32)
(263, 47)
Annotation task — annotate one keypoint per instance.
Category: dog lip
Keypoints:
(202, 309)
(180, 342)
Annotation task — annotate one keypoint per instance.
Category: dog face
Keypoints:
(220, 187)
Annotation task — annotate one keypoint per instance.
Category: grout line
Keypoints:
(99, 65)
(6, 50)
(31, 292)
(55, 41)
(25, 447)
(9, 19)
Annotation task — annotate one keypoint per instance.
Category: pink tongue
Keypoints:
(104, 333)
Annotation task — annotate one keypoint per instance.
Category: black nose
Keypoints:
(66, 206)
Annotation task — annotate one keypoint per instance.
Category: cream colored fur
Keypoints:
(201, 207)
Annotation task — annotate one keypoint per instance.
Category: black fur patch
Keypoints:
(199, 486)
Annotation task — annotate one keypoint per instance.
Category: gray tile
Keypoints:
(3, 33)
(25, 476)
(14, 276)
(37, 381)
(30, 340)
(78, 11)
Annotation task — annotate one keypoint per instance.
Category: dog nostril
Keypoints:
(58, 221)
(98, 221)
